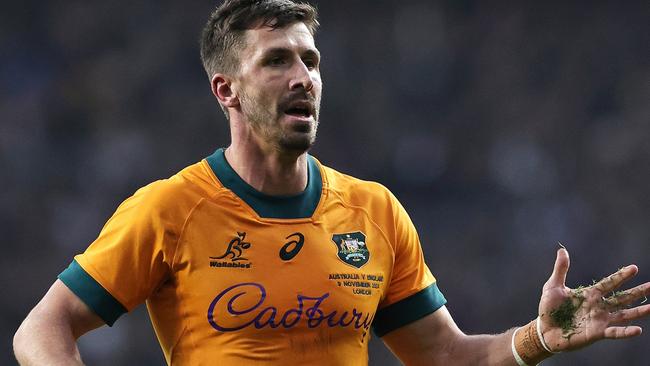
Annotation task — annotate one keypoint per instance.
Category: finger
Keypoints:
(627, 297)
(558, 277)
(627, 315)
(613, 281)
(622, 332)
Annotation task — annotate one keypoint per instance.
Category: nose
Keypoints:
(301, 77)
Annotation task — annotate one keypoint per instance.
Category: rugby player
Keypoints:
(260, 254)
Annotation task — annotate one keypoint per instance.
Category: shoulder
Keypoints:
(355, 191)
(175, 195)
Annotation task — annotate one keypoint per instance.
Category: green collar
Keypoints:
(299, 206)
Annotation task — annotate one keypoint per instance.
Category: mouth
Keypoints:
(300, 109)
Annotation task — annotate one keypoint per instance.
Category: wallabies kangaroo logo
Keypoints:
(236, 248)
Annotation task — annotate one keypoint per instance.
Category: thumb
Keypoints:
(558, 277)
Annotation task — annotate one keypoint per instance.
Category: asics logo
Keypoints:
(296, 242)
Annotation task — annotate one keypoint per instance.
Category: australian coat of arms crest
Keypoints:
(352, 248)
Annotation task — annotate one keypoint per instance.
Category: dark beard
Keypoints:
(301, 143)
(298, 140)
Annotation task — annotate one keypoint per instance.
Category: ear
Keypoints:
(222, 90)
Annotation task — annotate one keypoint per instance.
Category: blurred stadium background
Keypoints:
(502, 128)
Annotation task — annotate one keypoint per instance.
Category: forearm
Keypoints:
(436, 340)
(43, 342)
(497, 350)
(483, 349)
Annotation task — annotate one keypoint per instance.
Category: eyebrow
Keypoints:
(310, 52)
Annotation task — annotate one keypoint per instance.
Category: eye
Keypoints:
(276, 61)
(310, 63)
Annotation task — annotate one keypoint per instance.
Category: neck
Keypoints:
(268, 170)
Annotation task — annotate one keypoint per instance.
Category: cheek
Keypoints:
(259, 97)
(269, 90)
(318, 84)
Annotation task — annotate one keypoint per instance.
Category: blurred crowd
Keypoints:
(503, 129)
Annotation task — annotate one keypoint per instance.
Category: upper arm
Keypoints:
(120, 269)
(412, 320)
(47, 336)
(429, 340)
(60, 306)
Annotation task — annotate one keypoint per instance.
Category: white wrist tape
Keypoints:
(520, 362)
(538, 326)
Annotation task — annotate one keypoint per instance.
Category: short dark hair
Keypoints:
(223, 35)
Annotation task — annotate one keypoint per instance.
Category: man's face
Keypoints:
(279, 86)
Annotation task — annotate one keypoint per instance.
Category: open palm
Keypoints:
(574, 318)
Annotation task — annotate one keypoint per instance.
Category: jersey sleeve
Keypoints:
(413, 291)
(131, 257)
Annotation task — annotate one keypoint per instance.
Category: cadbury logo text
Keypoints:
(226, 315)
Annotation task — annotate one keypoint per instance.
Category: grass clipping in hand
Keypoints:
(564, 315)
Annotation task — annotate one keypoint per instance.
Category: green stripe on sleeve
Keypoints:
(408, 310)
(92, 293)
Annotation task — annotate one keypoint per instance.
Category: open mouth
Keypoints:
(298, 112)
(301, 109)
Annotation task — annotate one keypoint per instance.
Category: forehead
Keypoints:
(295, 37)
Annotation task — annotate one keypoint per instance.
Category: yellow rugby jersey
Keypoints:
(233, 276)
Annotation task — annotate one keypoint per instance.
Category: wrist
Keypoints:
(540, 335)
(527, 346)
